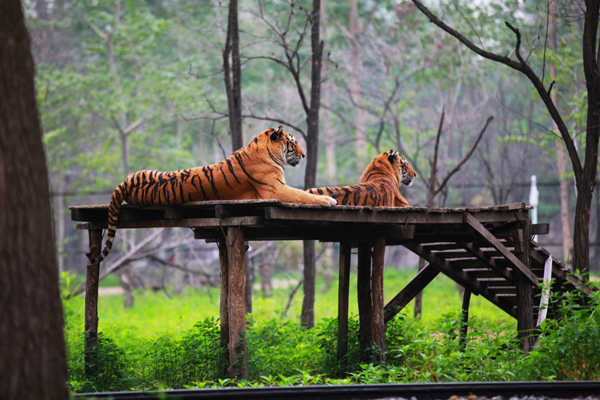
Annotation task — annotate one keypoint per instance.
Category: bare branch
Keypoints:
(121, 261)
(466, 157)
(432, 176)
(524, 68)
(280, 121)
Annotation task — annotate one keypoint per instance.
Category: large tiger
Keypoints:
(253, 172)
(379, 184)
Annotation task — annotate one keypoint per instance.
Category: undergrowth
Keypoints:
(280, 352)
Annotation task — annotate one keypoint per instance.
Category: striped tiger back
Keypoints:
(379, 184)
(252, 172)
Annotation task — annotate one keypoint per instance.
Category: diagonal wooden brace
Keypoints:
(492, 240)
(414, 287)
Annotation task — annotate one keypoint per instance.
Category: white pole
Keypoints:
(543, 310)
(534, 196)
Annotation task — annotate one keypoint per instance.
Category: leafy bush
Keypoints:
(568, 348)
(326, 333)
(281, 348)
(112, 372)
(197, 356)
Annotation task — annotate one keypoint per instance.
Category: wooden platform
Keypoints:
(486, 250)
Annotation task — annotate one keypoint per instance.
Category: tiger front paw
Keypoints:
(330, 201)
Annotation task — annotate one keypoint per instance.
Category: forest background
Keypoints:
(128, 85)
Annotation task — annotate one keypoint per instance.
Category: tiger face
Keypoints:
(284, 147)
(405, 172)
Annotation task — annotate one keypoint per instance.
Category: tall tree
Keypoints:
(233, 76)
(561, 157)
(33, 350)
(585, 171)
(360, 145)
(310, 177)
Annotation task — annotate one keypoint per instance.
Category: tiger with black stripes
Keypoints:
(253, 172)
(379, 184)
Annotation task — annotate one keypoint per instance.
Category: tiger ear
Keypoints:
(392, 156)
(277, 133)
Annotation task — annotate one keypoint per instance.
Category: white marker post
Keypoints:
(534, 196)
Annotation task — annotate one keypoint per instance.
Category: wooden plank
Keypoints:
(388, 216)
(525, 320)
(253, 221)
(377, 320)
(223, 304)
(343, 293)
(363, 285)
(414, 287)
(91, 304)
(236, 303)
(560, 271)
(489, 261)
(464, 322)
(518, 264)
(525, 324)
(540, 229)
(460, 277)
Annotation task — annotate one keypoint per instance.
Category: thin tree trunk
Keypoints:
(310, 176)
(561, 158)
(361, 140)
(328, 132)
(586, 180)
(59, 214)
(32, 348)
(233, 76)
(418, 307)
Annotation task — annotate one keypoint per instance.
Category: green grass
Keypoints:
(173, 342)
(154, 314)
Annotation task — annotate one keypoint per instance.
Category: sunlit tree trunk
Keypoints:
(310, 176)
(32, 346)
(361, 139)
(561, 157)
(233, 76)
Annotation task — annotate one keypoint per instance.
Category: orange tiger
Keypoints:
(253, 172)
(378, 186)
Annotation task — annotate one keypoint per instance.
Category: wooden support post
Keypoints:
(343, 292)
(363, 284)
(464, 323)
(525, 321)
(414, 287)
(223, 306)
(91, 303)
(236, 302)
(377, 320)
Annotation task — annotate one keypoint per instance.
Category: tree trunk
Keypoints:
(418, 306)
(361, 140)
(561, 158)
(31, 327)
(233, 76)
(312, 145)
(587, 178)
(328, 132)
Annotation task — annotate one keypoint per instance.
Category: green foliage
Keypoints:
(568, 348)
(194, 357)
(111, 366)
(283, 353)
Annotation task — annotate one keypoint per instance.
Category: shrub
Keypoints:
(197, 356)
(568, 347)
(112, 372)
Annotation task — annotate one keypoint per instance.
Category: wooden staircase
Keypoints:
(487, 261)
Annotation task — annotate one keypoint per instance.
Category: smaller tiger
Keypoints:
(379, 184)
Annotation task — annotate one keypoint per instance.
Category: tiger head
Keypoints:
(389, 163)
(405, 172)
(283, 147)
